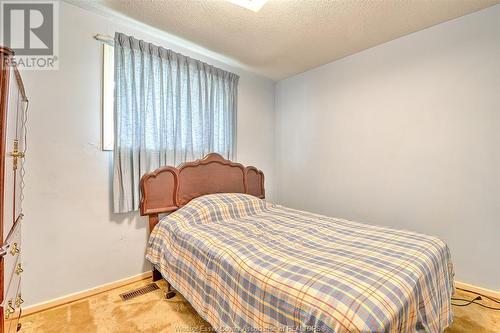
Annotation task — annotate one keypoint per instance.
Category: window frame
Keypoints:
(108, 87)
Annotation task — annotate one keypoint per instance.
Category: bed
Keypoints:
(249, 265)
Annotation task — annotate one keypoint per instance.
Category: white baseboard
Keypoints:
(120, 283)
(487, 292)
(83, 294)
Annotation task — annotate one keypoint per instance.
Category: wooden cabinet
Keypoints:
(13, 108)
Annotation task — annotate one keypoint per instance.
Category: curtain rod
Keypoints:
(105, 39)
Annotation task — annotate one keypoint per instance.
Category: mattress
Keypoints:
(248, 265)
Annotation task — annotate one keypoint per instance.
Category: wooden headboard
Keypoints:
(168, 188)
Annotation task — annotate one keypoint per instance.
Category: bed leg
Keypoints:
(156, 275)
(170, 293)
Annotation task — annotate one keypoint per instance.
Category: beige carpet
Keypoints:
(106, 312)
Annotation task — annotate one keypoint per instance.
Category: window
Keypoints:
(108, 85)
(168, 109)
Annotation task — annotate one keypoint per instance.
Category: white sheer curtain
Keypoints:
(169, 109)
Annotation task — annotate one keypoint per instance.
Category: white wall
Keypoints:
(72, 241)
(405, 134)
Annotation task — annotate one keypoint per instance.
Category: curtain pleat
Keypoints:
(169, 109)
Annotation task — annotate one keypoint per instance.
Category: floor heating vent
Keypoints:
(138, 292)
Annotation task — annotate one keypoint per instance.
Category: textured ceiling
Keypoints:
(291, 36)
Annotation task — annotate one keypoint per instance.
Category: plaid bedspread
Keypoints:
(248, 265)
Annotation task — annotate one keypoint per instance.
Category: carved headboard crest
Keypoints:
(168, 188)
